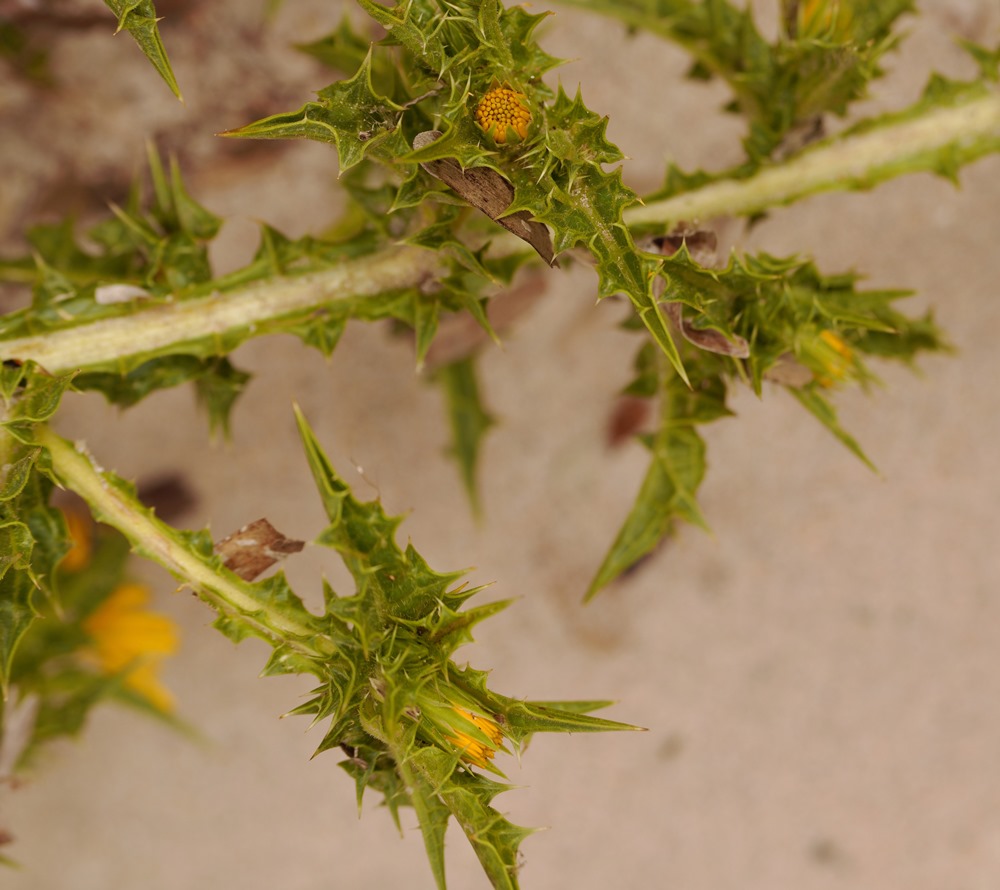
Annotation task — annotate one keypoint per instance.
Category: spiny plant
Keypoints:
(463, 162)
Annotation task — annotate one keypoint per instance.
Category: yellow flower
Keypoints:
(129, 639)
(473, 750)
(503, 111)
(81, 536)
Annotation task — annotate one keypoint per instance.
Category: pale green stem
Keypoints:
(167, 325)
(852, 162)
(153, 538)
(857, 161)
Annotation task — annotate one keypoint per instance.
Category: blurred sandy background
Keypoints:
(820, 676)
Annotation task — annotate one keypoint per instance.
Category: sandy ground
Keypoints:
(820, 676)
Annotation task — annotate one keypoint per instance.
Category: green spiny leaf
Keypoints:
(406, 26)
(349, 114)
(518, 26)
(433, 816)
(218, 383)
(525, 718)
(218, 390)
(467, 797)
(582, 203)
(138, 17)
(453, 629)
(399, 583)
(822, 62)
(12, 375)
(676, 469)
(17, 613)
(33, 538)
(469, 420)
(811, 399)
(37, 401)
(15, 546)
(175, 209)
(14, 475)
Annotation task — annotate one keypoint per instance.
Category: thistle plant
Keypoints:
(465, 159)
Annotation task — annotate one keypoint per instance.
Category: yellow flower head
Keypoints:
(473, 750)
(503, 111)
(129, 639)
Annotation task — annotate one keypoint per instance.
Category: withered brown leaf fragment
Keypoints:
(701, 246)
(488, 191)
(255, 548)
(706, 338)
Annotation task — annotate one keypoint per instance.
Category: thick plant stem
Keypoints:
(859, 161)
(164, 326)
(156, 540)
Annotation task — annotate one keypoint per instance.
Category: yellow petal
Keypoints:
(127, 637)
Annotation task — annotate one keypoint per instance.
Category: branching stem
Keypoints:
(154, 539)
(856, 161)
(165, 326)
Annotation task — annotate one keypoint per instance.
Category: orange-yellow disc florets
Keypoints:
(503, 111)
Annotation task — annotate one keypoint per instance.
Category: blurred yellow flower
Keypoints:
(128, 638)
(826, 19)
(81, 536)
(836, 358)
(473, 750)
(827, 356)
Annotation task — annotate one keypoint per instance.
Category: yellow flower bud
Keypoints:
(831, 358)
(473, 750)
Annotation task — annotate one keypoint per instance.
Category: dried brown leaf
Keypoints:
(488, 191)
(255, 548)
